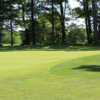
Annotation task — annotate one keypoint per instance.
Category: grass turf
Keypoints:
(50, 75)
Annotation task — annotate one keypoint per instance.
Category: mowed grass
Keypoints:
(50, 75)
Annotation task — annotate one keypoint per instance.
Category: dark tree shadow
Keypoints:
(93, 68)
(50, 48)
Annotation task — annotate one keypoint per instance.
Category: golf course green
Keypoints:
(50, 75)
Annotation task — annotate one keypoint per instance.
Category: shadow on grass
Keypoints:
(50, 48)
(93, 68)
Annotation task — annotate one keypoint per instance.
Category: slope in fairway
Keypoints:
(50, 75)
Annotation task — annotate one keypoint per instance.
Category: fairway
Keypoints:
(50, 75)
(49, 49)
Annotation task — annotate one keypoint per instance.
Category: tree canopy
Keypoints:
(46, 22)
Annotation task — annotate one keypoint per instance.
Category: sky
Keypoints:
(74, 4)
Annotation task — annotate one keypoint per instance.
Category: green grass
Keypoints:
(49, 74)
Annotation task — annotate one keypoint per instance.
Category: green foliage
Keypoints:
(45, 23)
(78, 12)
(43, 29)
(76, 34)
(7, 38)
(17, 38)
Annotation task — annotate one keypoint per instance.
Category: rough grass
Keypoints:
(49, 74)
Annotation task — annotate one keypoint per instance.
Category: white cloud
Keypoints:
(74, 3)
(78, 21)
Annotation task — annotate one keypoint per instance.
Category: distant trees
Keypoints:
(87, 14)
(44, 21)
(90, 13)
(62, 18)
(8, 15)
(1, 19)
(11, 17)
(33, 34)
(96, 20)
(76, 34)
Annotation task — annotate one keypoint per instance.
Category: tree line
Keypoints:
(46, 22)
(91, 13)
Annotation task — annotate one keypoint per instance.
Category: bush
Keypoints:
(76, 34)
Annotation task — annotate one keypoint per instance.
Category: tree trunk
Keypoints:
(0, 38)
(11, 28)
(1, 10)
(62, 19)
(95, 21)
(33, 24)
(26, 36)
(53, 26)
(87, 21)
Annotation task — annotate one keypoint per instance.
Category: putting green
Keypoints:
(50, 75)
